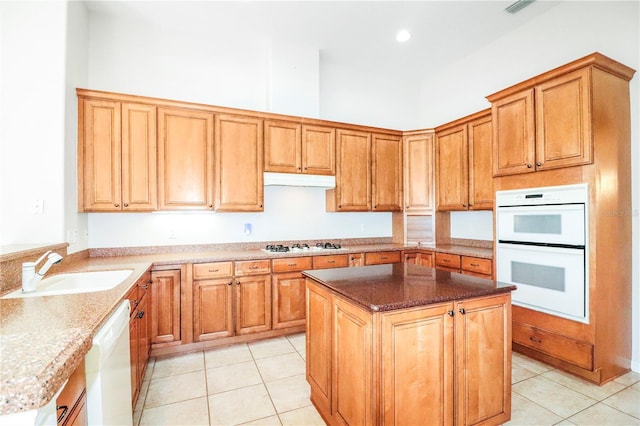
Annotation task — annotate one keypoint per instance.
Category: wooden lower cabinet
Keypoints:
(212, 309)
(476, 266)
(253, 304)
(382, 257)
(448, 363)
(165, 309)
(71, 404)
(422, 258)
(288, 300)
(139, 333)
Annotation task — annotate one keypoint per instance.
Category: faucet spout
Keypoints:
(31, 278)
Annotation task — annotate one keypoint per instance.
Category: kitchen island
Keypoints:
(406, 344)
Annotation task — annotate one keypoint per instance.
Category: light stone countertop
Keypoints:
(44, 339)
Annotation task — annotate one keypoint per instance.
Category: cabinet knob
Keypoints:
(140, 314)
(450, 313)
(126, 204)
(210, 206)
(529, 166)
(238, 282)
(339, 206)
(299, 168)
(117, 205)
(462, 311)
(464, 205)
(535, 339)
(230, 282)
(150, 281)
(538, 164)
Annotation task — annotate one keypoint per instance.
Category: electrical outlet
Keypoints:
(38, 206)
(247, 229)
(172, 234)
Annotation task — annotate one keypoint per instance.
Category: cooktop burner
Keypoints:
(297, 247)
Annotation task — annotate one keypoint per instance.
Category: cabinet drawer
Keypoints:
(212, 270)
(72, 393)
(377, 258)
(477, 265)
(448, 260)
(335, 261)
(291, 264)
(558, 346)
(253, 267)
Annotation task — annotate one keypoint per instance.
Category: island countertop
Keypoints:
(401, 285)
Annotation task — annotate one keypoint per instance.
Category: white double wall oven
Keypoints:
(542, 246)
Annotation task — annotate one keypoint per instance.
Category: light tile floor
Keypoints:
(263, 383)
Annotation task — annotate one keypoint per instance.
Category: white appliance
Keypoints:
(108, 372)
(542, 240)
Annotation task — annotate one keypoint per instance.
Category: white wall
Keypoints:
(568, 31)
(279, 76)
(32, 121)
(77, 63)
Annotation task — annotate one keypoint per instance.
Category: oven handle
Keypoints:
(529, 243)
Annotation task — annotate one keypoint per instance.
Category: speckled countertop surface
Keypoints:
(43, 339)
(400, 285)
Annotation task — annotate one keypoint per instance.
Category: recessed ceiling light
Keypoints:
(403, 35)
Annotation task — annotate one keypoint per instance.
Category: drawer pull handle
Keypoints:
(331, 261)
(145, 286)
(62, 415)
(292, 264)
(214, 270)
(446, 260)
(475, 264)
(254, 267)
(535, 339)
(383, 257)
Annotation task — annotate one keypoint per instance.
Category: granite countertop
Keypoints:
(43, 339)
(399, 286)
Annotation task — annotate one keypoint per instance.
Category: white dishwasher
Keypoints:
(108, 372)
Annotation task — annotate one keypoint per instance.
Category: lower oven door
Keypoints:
(549, 279)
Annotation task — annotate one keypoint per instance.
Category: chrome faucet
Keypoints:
(31, 278)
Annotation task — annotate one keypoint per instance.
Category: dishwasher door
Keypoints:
(108, 372)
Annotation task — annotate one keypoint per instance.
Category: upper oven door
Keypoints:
(545, 224)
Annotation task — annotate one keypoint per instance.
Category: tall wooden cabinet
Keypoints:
(463, 164)
(185, 159)
(239, 163)
(581, 134)
(116, 156)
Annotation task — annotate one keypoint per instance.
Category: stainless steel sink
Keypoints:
(75, 282)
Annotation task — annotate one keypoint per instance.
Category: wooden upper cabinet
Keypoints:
(480, 139)
(418, 170)
(318, 150)
(185, 159)
(452, 168)
(386, 165)
(239, 164)
(294, 148)
(117, 156)
(353, 172)
(463, 164)
(282, 147)
(543, 127)
(563, 121)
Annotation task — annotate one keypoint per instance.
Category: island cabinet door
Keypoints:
(318, 347)
(417, 366)
(352, 389)
(483, 360)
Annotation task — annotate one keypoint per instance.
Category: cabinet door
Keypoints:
(425, 259)
(185, 159)
(282, 144)
(483, 360)
(318, 150)
(513, 134)
(352, 364)
(239, 164)
(353, 171)
(418, 383)
(452, 168)
(134, 355)
(100, 149)
(481, 195)
(212, 309)
(165, 306)
(288, 300)
(318, 348)
(139, 142)
(419, 166)
(563, 121)
(386, 166)
(253, 304)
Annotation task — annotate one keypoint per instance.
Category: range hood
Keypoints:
(294, 179)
